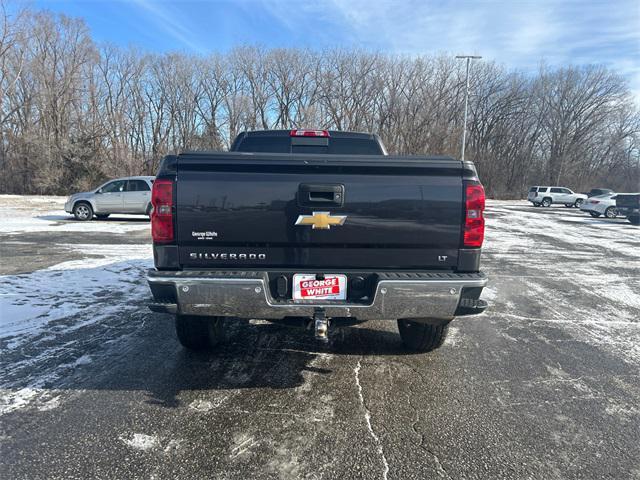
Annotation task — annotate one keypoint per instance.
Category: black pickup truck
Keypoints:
(316, 228)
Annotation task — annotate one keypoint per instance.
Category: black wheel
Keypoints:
(568, 205)
(102, 216)
(611, 212)
(421, 337)
(199, 333)
(83, 211)
(634, 219)
(579, 203)
(546, 202)
(594, 214)
(536, 204)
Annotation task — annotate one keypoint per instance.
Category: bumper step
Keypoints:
(469, 306)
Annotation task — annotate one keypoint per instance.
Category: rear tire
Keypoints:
(83, 211)
(594, 214)
(611, 212)
(578, 203)
(546, 202)
(199, 333)
(634, 219)
(422, 337)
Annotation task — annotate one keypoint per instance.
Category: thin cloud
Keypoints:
(517, 34)
(168, 23)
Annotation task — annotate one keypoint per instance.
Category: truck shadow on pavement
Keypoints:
(263, 356)
(87, 342)
(138, 356)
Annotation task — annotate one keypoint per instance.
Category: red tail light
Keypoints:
(162, 214)
(474, 216)
(309, 133)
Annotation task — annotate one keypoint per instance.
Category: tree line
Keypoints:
(74, 113)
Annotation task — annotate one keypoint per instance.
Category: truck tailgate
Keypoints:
(247, 210)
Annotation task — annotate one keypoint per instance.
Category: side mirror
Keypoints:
(99, 190)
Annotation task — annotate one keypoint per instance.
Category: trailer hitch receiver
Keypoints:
(321, 326)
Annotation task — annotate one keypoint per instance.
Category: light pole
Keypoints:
(466, 99)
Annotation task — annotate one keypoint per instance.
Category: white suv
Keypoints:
(546, 196)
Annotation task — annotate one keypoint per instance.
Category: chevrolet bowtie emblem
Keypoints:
(321, 220)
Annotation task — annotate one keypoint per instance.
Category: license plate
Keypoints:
(307, 287)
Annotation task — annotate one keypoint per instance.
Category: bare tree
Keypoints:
(73, 113)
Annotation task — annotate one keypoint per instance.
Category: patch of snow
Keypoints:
(627, 412)
(49, 404)
(108, 254)
(34, 395)
(620, 292)
(11, 400)
(206, 405)
(31, 302)
(83, 360)
(489, 294)
(140, 441)
(367, 418)
(242, 444)
(35, 390)
(453, 336)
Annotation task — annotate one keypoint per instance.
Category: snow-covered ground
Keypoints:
(19, 214)
(572, 269)
(544, 384)
(97, 281)
(555, 267)
(33, 301)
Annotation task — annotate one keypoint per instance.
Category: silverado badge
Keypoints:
(321, 220)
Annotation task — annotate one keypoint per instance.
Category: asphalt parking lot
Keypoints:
(545, 384)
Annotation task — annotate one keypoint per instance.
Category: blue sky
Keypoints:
(518, 34)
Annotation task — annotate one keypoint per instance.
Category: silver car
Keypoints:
(122, 195)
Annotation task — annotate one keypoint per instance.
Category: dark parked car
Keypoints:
(596, 192)
(628, 205)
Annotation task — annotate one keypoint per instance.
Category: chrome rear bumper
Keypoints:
(247, 295)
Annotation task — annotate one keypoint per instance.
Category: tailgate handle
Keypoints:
(314, 195)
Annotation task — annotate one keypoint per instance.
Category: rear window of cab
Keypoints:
(330, 145)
